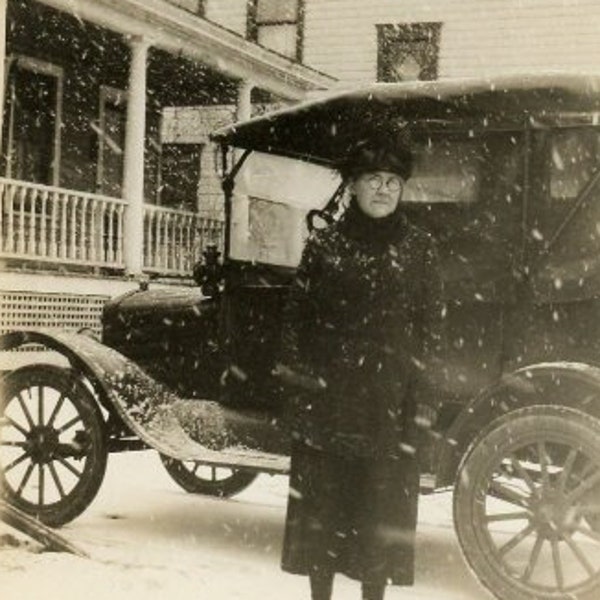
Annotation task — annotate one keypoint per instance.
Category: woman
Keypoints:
(361, 324)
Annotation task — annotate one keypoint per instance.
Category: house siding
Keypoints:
(231, 14)
(478, 37)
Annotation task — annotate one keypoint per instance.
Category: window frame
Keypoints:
(410, 34)
(253, 26)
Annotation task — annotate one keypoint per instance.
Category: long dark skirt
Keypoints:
(355, 516)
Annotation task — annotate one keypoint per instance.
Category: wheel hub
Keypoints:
(553, 516)
(42, 443)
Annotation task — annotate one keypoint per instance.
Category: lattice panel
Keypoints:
(32, 310)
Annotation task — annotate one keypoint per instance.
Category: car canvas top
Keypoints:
(320, 130)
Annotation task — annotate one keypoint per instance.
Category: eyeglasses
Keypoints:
(375, 182)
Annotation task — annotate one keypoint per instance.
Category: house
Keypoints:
(107, 176)
(407, 39)
(99, 176)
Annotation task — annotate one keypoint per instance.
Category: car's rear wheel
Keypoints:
(199, 478)
(525, 500)
(52, 443)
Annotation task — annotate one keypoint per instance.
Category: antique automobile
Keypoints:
(507, 180)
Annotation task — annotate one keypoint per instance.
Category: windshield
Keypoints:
(271, 198)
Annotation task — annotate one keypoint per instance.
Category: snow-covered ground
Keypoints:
(148, 539)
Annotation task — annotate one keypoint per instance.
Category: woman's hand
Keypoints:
(294, 378)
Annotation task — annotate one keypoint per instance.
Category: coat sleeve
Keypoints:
(300, 310)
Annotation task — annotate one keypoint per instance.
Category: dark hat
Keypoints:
(383, 152)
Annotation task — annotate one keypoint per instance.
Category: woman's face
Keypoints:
(377, 192)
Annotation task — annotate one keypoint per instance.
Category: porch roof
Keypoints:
(177, 31)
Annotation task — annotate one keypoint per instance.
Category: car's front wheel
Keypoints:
(52, 443)
(525, 504)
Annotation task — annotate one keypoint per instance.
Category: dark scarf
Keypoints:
(379, 233)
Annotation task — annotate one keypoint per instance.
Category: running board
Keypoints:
(275, 464)
(252, 460)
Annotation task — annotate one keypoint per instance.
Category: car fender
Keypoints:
(147, 408)
(571, 384)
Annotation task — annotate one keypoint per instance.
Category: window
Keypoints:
(32, 122)
(564, 164)
(564, 213)
(277, 25)
(466, 190)
(408, 51)
(574, 158)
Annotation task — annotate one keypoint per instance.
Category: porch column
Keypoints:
(240, 211)
(244, 100)
(133, 164)
(2, 62)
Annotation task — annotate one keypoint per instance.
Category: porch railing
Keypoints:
(54, 224)
(175, 239)
(44, 223)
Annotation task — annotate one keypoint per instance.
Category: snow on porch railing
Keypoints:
(47, 223)
(175, 239)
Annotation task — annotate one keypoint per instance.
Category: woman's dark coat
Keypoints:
(363, 320)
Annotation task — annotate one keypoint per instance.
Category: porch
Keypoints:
(106, 167)
(107, 174)
(45, 224)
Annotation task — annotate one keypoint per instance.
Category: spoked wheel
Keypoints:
(525, 504)
(52, 444)
(200, 478)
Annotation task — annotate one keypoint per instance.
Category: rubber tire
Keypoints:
(69, 507)
(223, 488)
(563, 424)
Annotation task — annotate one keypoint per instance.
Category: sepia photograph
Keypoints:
(300, 299)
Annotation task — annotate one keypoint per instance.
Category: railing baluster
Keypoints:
(172, 231)
(168, 229)
(32, 234)
(120, 213)
(2, 211)
(10, 234)
(111, 250)
(84, 244)
(168, 240)
(63, 240)
(161, 262)
(185, 265)
(73, 204)
(148, 238)
(159, 239)
(21, 227)
(94, 231)
(155, 233)
(43, 224)
(53, 225)
(179, 247)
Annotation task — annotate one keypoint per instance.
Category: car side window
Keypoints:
(467, 191)
(564, 162)
(574, 157)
